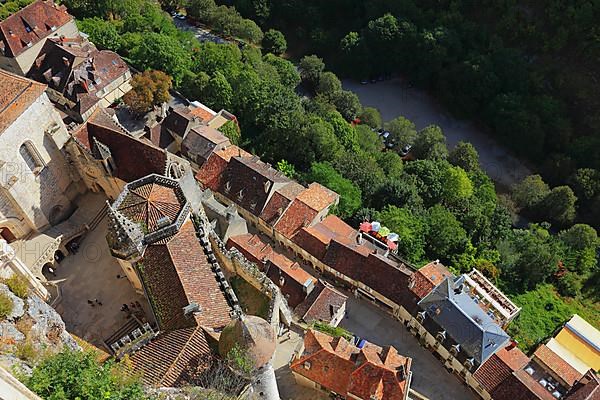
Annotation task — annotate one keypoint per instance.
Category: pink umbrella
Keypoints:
(365, 227)
(391, 245)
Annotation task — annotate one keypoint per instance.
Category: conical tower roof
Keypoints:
(253, 335)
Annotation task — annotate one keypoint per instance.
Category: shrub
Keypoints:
(6, 305)
(335, 331)
(26, 351)
(18, 285)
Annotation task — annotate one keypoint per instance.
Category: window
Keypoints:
(32, 157)
(306, 365)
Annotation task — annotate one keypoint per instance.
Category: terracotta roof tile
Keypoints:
(77, 69)
(340, 367)
(177, 273)
(252, 247)
(173, 358)
(148, 159)
(428, 277)
(212, 173)
(204, 113)
(30, 25)
(588, 388)
(513, 388)
(290, 277)
(317, 197)
(499, 367)
(16, 95)
(201, 142)
(557, 365)
(320, 303)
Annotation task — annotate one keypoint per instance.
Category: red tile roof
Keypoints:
(317, 197)
(252, 247)
(75, 68)
(203, 113)
(174, 358)
(315, 239)
(376, 271)
(211, 173)
(148, 159)
(428, 277)
(295, 217)
(176, 273)
(30, 25)
(151, 202)
(201, 142)
(368, 373)
(16, 95)
(499, 367)
(321, 304)
(557, 365)
(516, 387)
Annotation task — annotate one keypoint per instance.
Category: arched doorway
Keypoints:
(55, 215)
(49, 271)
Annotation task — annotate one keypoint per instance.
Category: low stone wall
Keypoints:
(237, 264)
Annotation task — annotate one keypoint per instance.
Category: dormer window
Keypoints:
(267, 186)
(241, 195)
(227, 187)
(253, 206)
(307, 365)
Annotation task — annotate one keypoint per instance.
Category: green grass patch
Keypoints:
(334, 331)
(17, 285)
(253, 302)
(543, 312)
(6, 305)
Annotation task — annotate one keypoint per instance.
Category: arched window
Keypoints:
(32, 157)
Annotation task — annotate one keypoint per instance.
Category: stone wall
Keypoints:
(237, 264)
(37, 199)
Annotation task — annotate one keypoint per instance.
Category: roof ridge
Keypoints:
(182, 350)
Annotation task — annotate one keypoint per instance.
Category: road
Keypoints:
(202, 34)
(394, 98)
(430, 378)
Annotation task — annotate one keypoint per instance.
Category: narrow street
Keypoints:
(430, 378)
(394, 98)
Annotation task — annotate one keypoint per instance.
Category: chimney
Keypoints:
(359, 238)
(513, 343)
(191, 309)
(401, 372)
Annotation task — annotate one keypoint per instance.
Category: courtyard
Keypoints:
(93, 274)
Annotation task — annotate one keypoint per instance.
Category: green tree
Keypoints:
(218, 92)
(457, 186)
(429, 178)
(165, 53)
(103, 34)
(362, 169)
(368, 140)
(288, 75)
(329, 84)
(399, 192)
(570, 284)
(311, 68)
(347, 103)
(430, 143)
(465, 156)
(445, 235)
(371, 117)
(391, 164)
(232, 131)
(559, 205)
(402, 131)
(274, 42)
(530, 192)
(77, 375)
(350, 196)
(410, 228)
(287, 169)
(586, 183)
(202, 10)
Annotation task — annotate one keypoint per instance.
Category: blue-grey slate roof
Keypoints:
(464, 320)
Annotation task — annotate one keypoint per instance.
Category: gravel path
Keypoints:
(393, 98)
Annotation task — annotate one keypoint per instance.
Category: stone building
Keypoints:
(23, 34)
(101, 151)
(36, 183)
(367, 373)
(80, 77)
(162, 247)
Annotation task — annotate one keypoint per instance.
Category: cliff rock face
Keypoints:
(32, 329)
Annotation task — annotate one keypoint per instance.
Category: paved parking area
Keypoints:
(92, 274)
(430, 378)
